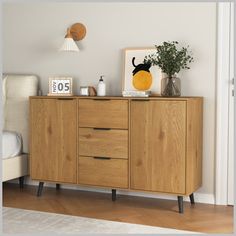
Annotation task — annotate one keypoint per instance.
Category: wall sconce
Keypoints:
(75, 33)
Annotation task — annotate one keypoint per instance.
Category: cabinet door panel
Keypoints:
(53, 140)
(158, 130)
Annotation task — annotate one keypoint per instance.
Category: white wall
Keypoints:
(32, 33)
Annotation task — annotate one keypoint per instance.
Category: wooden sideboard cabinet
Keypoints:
(142, 144)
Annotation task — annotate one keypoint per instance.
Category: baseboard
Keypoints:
(198, 197)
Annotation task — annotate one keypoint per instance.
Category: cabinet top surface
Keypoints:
(117, 97)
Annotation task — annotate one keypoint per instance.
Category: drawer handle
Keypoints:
(141, 100)
(102, 128)
(102, 158)
(101, 99)
(65, 99)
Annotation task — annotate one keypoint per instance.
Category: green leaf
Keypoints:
(169, 58)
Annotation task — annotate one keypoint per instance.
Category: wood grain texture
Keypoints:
(165, 136)
(182, 98)
(111, 173)
(205, 218)
(103, 143)
(194, 145)
(158, 135)
(103, 113)
(53, 140)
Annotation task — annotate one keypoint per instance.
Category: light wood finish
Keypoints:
(158, 130)
(155, 97)
(103, 143)
(53, 140)
(78, 31)
(203, 218)
(194, 145)
(102, 113)
(155, 144)
(103, 172)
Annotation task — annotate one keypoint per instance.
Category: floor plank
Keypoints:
(148, 211)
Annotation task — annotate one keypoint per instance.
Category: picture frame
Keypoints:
(131, 82)
(60, 86)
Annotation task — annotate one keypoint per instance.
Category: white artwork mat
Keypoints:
(139, 54)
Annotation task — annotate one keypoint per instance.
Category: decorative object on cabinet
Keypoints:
(75, 33)
(170, 86)
(101, 87)
(88, 91)
(60, 86)
(92, 91)
(84, 91)
(133, 93)
(171, 60)
(139, 76)
(118, 143)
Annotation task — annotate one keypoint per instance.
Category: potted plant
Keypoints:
(171, 60)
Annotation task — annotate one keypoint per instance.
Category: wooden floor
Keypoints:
(155, 212)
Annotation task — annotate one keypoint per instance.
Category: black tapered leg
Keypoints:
(40, 189)
(113, 194)
(191, 198)
(181, 204)
(58, 186)
(21, 181)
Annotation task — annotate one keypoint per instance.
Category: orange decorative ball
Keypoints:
(142, 80)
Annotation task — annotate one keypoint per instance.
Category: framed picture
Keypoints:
(139, 76)
(60, 86)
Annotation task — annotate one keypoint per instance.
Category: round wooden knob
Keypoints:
(78, 31)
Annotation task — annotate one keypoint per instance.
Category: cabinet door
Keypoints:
(158, 136)
(53, 140)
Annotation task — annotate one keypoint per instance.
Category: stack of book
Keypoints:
(133, 93)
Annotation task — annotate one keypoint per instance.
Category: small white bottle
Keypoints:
(101, 89)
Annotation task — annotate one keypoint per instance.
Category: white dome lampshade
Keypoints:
(69, 45)
(75, 33)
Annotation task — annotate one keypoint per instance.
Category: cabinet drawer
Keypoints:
(103, 172)
(103, 143)
(103, 113)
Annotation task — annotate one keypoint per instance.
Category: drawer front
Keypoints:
(103, 143)
(103, 113)
(103, 172)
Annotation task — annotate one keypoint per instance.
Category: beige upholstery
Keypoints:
(14, 167)
(16, 92)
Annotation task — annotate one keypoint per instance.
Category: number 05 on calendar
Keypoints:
(60, 86)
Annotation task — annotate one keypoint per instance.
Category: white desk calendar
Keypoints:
(60, 86)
